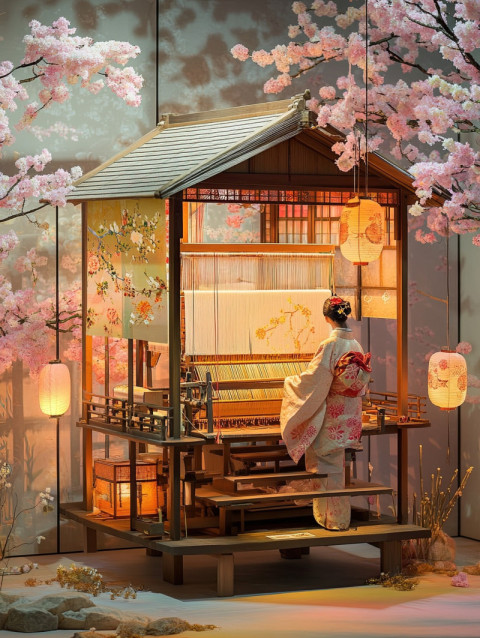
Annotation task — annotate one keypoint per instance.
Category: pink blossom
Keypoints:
(460, 580)
(262, 58)
(239, 52)
(8, 242)
(464, 347)
(321, 8)
(276, 85)
(299, 7)
(293, 31)
(476, 240)
(327, 92)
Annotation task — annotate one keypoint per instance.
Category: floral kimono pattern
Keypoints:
(321, 415)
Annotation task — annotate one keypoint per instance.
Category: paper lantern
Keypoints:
(447, 379)
(361, 231)
(54, 388)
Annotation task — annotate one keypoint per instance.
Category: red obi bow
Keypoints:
(357, 358)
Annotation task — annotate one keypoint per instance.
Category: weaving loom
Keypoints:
(251, 320)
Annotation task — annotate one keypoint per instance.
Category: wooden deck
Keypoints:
(386, 534)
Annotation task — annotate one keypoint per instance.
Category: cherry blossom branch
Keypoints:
(21, 66)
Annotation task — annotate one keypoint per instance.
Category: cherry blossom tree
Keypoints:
(55, 59)
(422, 119)
(28, 319)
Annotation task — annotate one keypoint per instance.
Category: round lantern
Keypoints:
(447, 379)
(361, 230)
(54, 388)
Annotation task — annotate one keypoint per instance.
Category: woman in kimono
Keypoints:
(321, 412)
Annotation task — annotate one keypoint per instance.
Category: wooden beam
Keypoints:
(283, 181)
(320, 249)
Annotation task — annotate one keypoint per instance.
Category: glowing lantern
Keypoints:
(361, 231)
(54, 388)
(447, 379)
(112, 487)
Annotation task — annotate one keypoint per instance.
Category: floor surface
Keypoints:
(322, 595)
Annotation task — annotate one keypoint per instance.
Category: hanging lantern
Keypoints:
(361, 230)
(447, 379)
(54, 388)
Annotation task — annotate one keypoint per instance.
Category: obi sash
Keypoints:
(351, 374)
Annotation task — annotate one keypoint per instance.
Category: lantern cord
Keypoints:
(366, 98)
(448, 437)
(57, 292)
(57, 357)
(448, 328)
(448, 286)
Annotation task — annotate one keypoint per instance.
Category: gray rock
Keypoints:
(30, 620)
(8, 599)
(4, 609)
(167, 626)
(131, 628)
(98, 617)
(59, 603)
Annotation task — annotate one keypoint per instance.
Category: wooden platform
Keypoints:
(386, 534)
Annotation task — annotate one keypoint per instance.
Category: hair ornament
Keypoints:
(336, 301)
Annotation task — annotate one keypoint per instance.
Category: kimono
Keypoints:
(321, 415)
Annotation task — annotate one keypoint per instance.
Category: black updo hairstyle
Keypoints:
(337, 309)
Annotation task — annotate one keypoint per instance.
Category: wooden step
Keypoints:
(260, 457)
(242, 501)
(233, 484)
(249, 449)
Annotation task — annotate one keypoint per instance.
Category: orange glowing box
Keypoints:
(112, 487)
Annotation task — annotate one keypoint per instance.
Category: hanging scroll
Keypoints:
(126, 269)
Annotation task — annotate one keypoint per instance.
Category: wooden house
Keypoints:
(210, 244)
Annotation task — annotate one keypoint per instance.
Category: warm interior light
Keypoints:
(447, 379)
(54, 389)
(361, 231)
(112, 488)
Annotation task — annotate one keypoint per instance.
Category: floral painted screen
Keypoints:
(126, 269)
(213, 223)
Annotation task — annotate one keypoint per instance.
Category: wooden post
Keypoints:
(391, 557)
(174, 345)
(132, 454)
(225, 575)
(139, 376)
(89, 540)
(402, 355)
(172, 568)
(174, 329)
(87, 445)
(107, 393)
